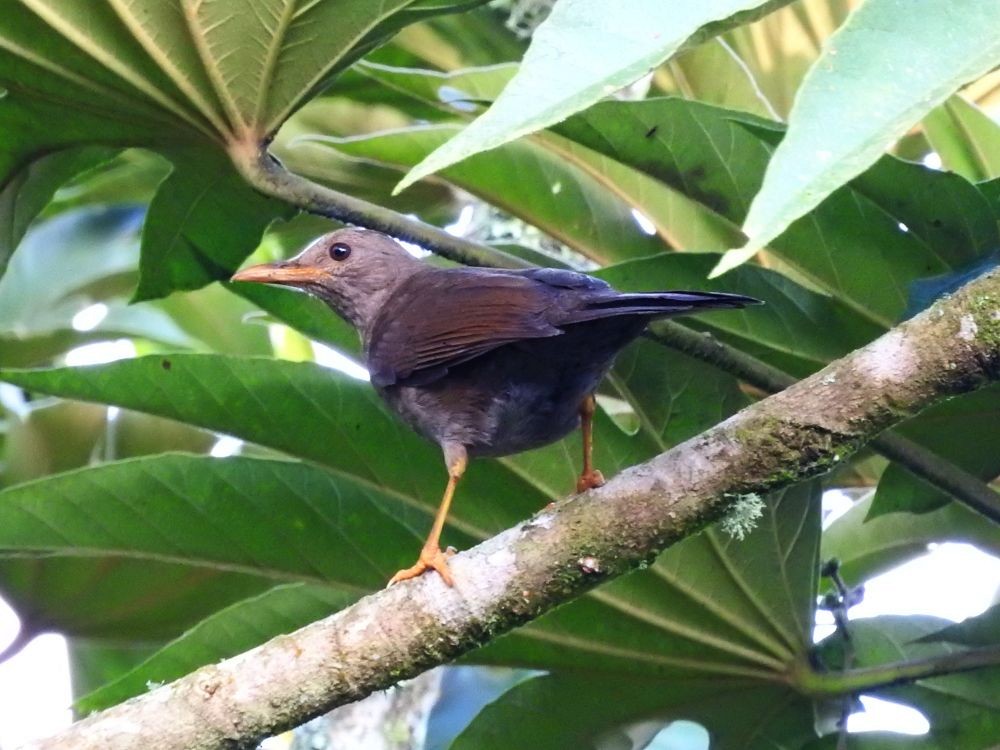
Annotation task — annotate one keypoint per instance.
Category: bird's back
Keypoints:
(500, 361)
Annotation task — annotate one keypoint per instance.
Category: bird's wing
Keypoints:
(438, 319)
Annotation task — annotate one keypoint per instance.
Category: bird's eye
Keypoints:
(339, 251)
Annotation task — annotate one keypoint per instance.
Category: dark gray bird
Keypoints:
(484, 362)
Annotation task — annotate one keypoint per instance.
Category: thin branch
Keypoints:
(266, 175)
(833, 684)
(919, 461)
(952, 348)
(25, 635)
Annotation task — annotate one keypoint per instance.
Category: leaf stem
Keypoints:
(267, 175)
(833, 684)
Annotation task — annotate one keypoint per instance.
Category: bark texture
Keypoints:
(953, 347)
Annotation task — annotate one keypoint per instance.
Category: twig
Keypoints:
(913, 457)
(266, 175)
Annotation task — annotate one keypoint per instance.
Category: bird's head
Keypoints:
(352, 270)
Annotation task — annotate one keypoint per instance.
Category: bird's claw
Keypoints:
(430, 559)
(589, 480)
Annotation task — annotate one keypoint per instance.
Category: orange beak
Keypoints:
(279, 273)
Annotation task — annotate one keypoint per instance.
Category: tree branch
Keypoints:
(921, 462)
(954, 347)
(265, 174)
(833, 684)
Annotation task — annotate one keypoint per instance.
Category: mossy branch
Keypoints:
(529, 569)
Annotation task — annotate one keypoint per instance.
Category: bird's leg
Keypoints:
(589, 477)
(431, 555)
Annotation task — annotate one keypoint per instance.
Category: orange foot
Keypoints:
(589, 480)
(430, 558)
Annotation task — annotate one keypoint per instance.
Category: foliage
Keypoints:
(122, 177)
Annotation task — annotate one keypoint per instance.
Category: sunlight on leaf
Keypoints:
(582, 53)
(878, 75)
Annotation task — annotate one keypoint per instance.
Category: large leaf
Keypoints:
(713, 73)
(718, 158)
(795, 322)
(963, 709)
(277, 519)
(966, 138)
(165, 73)
(228, 632)
(868, 548)
(203, 222)
(712, 615)
(674, 217)
(188, 61)
(524, 179)
(305, 410)
(861, 95)
(580, 54)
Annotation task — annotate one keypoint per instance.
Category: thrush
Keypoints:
(484, 362)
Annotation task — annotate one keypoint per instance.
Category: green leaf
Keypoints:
(714, 74)
(305, 410)
(868, 548)
(228, 632)
(572, 710)
(981, 630)
(795, 322)
(718, 157)
(966, 139)
(115, 600)
(168, 74)
(300, 45)
(963, 708)
(203, 222)
(963, 431)
(578, 55)
(675, 219)
(861, 95)
(276, 519)
(710, 616)
(524, 179)
(187, 62)
(25, 193)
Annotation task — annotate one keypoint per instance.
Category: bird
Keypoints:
(482, 361)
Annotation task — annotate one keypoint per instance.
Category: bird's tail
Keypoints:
(661, 304)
